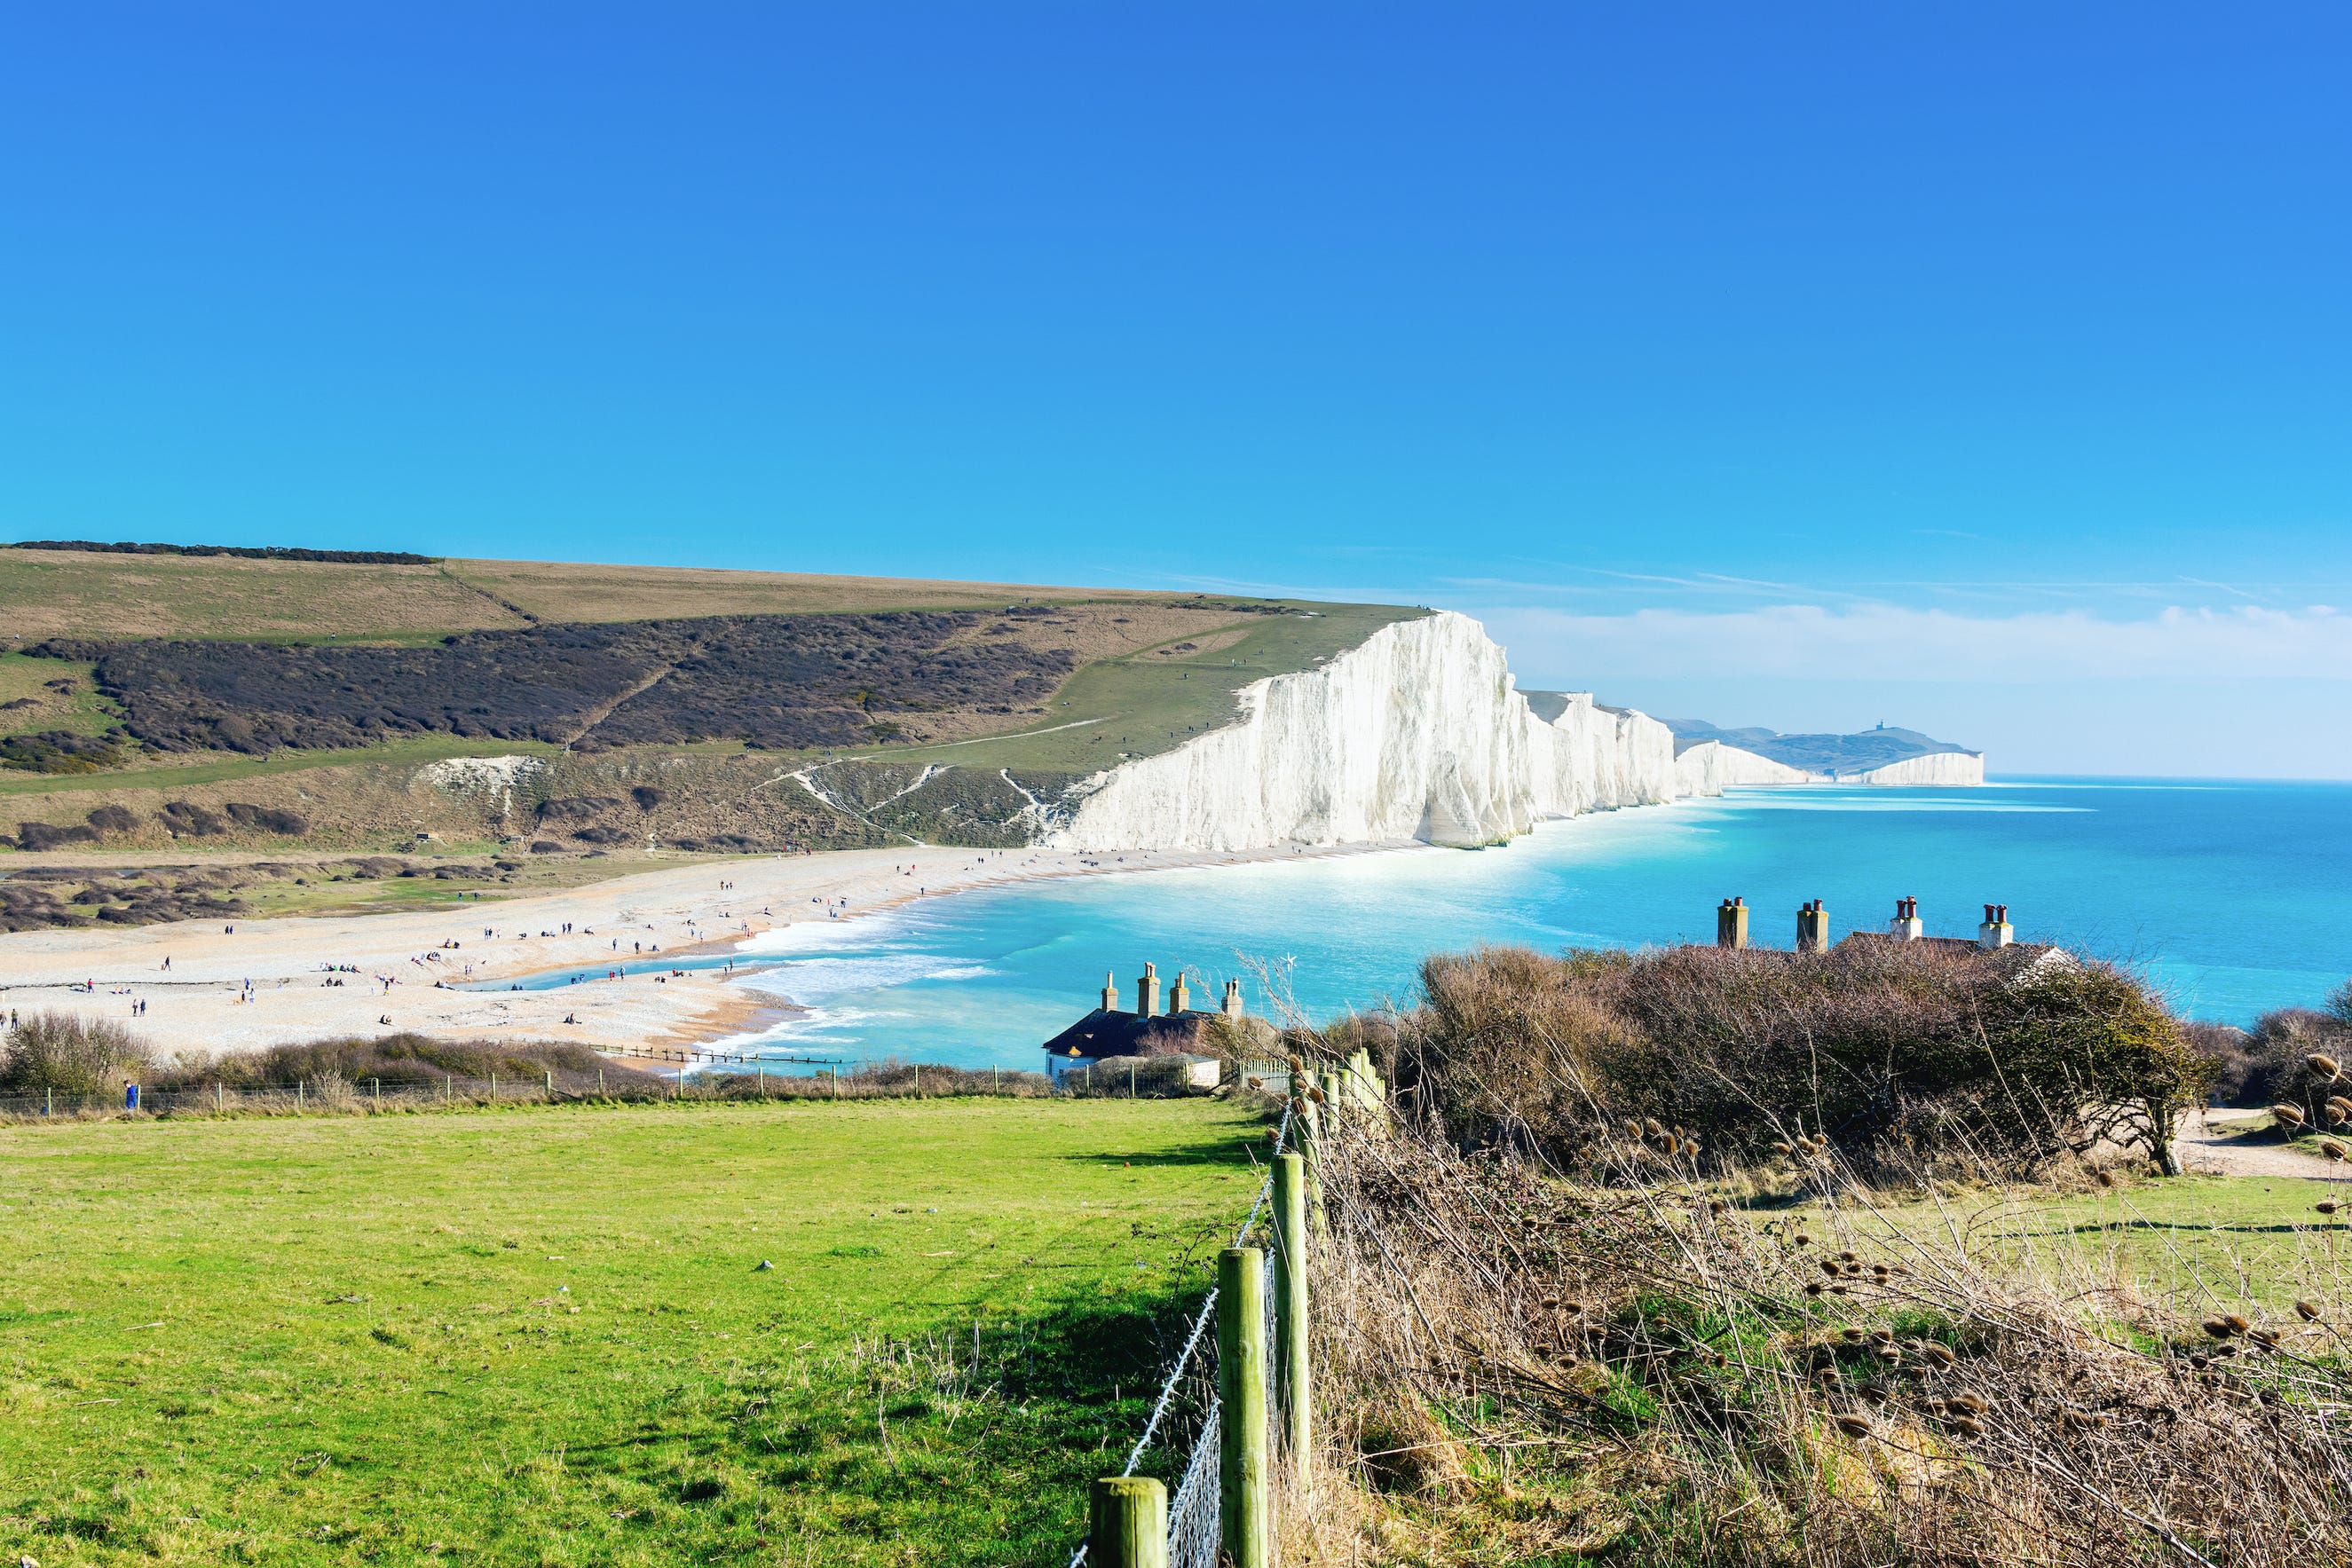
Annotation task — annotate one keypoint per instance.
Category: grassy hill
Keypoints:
(142, 693)
(521, 1337)
(1859, 752)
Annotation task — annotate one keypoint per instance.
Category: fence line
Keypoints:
(1196, 1519)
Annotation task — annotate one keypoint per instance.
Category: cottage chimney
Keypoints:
(1907, 925)
(1996, 931)
(1147, 992)
(1179, 1000)
(1731, 922)
(1813, 928)
(1232, 1006)
(1110, 992)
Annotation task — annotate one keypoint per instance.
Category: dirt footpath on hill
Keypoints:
(2221, 1145)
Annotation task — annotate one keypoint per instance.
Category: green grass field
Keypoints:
(544, 1337)
(2202, 1243)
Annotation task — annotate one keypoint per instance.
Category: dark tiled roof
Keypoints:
(1100, 1034)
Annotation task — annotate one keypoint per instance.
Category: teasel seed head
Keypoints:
(1854, 1426)
(2324, 1066)
(2290, 1114)
(2325, 1205)
(2308, 1311)
(1938, 1353)
(1964, 1426)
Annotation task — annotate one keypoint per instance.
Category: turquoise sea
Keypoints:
(2234, 897)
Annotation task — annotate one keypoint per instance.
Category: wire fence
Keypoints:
(1195, 1509)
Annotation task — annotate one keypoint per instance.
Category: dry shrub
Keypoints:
(69, 1054)
(1907, 1046)
(2271, 1062)
(407, 1060)
(1640, 1366)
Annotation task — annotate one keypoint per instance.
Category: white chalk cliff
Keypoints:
(1709, 768)
(1419, 732)
(1937, 767)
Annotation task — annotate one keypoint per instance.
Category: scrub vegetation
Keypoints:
(1714, 1258)
(855, 1333)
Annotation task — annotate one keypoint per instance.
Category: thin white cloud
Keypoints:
(1883, 643)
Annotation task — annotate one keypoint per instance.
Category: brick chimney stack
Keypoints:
(1110, 992)
(1906, 927)
(1179, 998)
(1232, 1005)
(1731, 922)
(1996, 931)
(1813, 928)
(1147, 992)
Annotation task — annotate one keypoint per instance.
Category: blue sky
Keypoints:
(1978, 367)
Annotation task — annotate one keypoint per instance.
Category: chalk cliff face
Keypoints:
(1417, 733)
(1937, 768)
(1709, 768)
(1586, 757)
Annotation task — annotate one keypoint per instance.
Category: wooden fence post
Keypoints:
(1245, 1524)
(299, 1099)
(1295, 1379)
(1127, 1527)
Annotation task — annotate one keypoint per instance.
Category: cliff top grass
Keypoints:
(76, 593)
(544, 1336)
(1156, 700)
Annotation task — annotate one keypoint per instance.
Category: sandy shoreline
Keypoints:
(199, 1006)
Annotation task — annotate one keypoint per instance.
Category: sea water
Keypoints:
(2233, 897)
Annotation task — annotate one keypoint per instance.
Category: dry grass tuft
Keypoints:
(1508, 1342)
